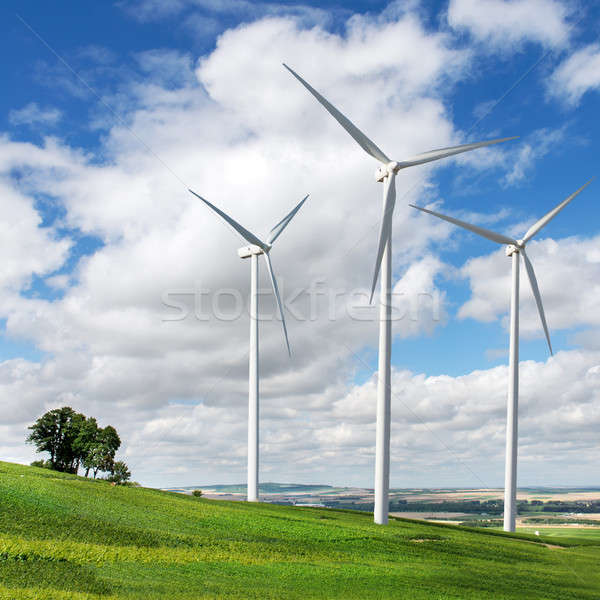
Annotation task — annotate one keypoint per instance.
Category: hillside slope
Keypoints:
(65, 537)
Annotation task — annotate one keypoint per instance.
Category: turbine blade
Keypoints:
(276, 292)
(247, 235)
(486, 233)
(276, 231)
(386, 226)
(536, 294)
(425, 157)
(549, 216)
(363, 141)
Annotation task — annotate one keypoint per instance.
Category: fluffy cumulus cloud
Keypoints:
(576, 75)
(150, 331)
(503, 24)
(27, 249)
(444, 426)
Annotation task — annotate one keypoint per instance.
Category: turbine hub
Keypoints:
(248, 251)
(511, 249)
(384, 170)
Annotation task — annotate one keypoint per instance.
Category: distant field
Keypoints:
(558, 494)
(588, 533)
(64, 537)
(289, 491)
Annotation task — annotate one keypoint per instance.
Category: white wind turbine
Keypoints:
(514, 248)
(385, 174)
(256, 247)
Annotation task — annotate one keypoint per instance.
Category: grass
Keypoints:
(63, 537)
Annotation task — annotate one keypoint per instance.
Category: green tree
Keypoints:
(120, 472)
(100, 450)
(110, 439)
(86, 441)
(55, 432)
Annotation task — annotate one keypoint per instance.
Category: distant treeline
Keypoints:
(482, 523)
(592, 506)
(560, 521)
(490, 507)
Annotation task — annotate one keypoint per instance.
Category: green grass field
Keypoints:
(65, 537)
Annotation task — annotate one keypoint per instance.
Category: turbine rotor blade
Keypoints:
(276, 231)
(276, 292)
(386, 226)
(486, 233)
(536, 294)
(363, 141)
(549, 216)
(425, 157)
(247, 235)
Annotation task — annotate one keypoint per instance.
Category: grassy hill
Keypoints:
(62, 536)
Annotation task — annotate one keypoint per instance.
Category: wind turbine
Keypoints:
(253, 251)
(386, 174)
(513, 249)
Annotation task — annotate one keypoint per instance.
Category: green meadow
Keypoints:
(62, 536)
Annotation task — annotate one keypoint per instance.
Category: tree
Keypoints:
(110, 439)
(55, 433)
(120, 473)
(99, 458)
(86, 441)
(72, 440)
(101, 447)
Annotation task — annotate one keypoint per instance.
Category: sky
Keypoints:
(123, 296)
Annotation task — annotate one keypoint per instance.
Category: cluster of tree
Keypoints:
(74, 440)
(482, 523)
(489, 507)
(464, 506)
(591, 506)
(560, 521)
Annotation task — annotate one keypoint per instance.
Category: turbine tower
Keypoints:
(514, 248)
(253, 251)
(385, 174)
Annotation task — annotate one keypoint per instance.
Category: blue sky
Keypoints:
(108, 107)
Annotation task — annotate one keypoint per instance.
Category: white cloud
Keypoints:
(504, 24)
(576, 75)
(537, 145)
(202, 16)
(457, 424)
(25, 247)
(417, 300)
(31, 114)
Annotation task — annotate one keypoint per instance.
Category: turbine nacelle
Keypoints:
(384, 171)
(252, 250)
(512, 248)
